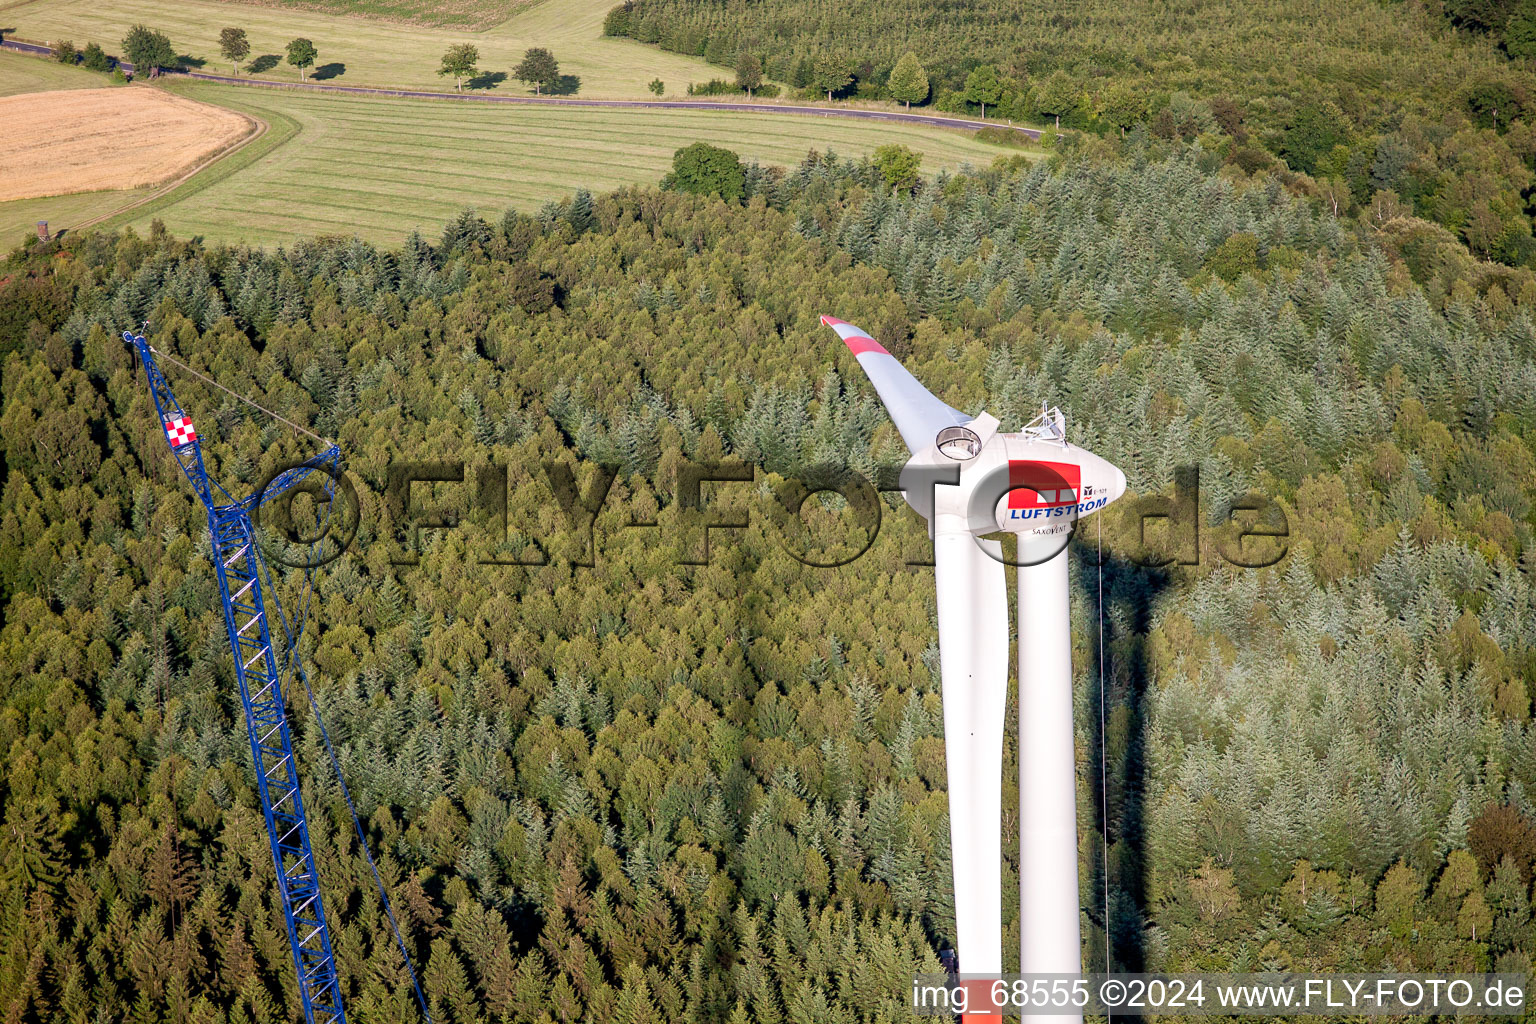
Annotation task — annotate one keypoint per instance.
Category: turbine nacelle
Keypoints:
(976, 478)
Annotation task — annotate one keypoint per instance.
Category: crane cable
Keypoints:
(1104, 763)
(296, 668)
(207, 379)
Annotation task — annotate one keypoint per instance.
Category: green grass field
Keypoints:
(364, 51)
(471, 14)
(380, 167)
(19, 74)
(19, 218)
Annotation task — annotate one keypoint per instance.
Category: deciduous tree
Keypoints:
(147, 49)
(1312, 133)
(234, 46)
(749, 72)
(95, 58)
(538, 68)
(1056, 96)
(909, 81)
(460, 62)
(1121, 106)
(831, 73)
(898, 166)
(707, 170)
(1502, 831)
(983, 86)
(302, 54)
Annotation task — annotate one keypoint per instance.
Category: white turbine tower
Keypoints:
(967, 480)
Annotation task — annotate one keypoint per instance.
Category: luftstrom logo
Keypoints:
(1154, 531)
(1049, 490)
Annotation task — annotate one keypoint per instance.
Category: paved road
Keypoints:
(10, 44)
(751, 108)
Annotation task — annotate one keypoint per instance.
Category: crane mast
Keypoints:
(237, 563)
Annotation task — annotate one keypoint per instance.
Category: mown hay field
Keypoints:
(461, 14)
(20, 73)
(380, 168)
(367, 51)
(86, 140)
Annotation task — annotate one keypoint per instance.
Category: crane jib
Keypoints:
(238, 567)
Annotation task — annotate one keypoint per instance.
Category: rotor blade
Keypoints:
(918, 415)
(973, 655)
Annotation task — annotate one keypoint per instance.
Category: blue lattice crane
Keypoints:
(240, 569)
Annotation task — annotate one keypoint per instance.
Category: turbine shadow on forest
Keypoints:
(1117, 759)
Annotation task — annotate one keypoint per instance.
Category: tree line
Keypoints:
(151, 50)
(538, 67)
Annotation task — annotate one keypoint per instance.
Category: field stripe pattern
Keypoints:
(381, 167)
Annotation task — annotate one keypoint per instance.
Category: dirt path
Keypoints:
(260, 129)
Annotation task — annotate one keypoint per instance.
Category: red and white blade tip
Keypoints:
(857, 341)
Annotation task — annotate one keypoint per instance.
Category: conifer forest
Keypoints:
(621, 769)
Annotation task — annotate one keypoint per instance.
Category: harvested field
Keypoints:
(82, 140)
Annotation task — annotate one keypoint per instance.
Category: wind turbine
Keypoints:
(968, 480)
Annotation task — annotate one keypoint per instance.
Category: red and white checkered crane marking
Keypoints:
(178, 430)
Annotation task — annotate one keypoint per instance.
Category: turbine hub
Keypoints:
(959, 443)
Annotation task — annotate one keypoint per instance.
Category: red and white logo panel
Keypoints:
(1043, 484)
(178, 430)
